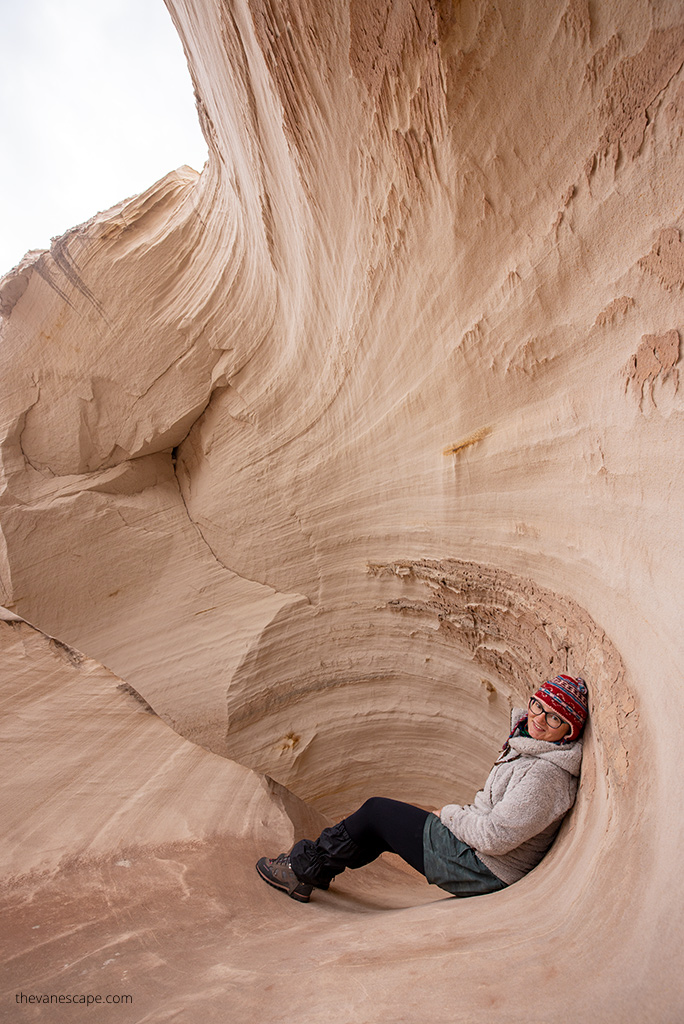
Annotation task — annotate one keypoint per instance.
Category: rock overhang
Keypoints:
(420, 313)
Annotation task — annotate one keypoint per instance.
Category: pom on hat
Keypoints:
(569, 698)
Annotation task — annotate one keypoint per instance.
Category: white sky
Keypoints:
(96, 104)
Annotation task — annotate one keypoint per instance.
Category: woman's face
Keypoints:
(538, 727)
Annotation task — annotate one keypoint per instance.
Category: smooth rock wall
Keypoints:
(335, 451)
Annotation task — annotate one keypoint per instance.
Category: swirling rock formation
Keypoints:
(329, 454)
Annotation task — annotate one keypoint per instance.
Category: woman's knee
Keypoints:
(371, 812)
(363, 824)
(372, 804)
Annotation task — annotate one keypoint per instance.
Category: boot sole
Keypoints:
(294, 895)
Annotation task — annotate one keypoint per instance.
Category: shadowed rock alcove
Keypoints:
(315, 463)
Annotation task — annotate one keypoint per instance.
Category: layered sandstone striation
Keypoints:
(313, 464)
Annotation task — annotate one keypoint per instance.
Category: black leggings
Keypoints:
(382, 824)
(378, 825)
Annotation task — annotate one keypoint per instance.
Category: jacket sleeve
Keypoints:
(529, 805)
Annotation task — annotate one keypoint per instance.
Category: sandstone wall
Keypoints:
(334, 451)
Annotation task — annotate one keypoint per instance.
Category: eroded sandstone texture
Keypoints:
(322, 458)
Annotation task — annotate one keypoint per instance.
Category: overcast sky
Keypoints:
(96, 104)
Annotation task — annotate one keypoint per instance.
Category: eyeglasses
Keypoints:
(552, 720)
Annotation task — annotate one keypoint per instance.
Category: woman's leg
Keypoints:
(382, 824)
(379, 825)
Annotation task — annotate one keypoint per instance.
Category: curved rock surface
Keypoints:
(329, 454)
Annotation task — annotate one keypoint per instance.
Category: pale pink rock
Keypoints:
(329, 454)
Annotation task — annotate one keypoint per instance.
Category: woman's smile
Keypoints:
(538, 726)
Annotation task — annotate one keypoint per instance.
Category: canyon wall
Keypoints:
(323, 459)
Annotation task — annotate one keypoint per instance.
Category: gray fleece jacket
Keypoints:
(512, 821)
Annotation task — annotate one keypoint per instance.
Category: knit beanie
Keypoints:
(569, 698)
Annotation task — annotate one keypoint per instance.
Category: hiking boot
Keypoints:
(278, 873)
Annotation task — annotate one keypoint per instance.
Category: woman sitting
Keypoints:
(470, 850)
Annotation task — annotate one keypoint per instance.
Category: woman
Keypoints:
(469, 850)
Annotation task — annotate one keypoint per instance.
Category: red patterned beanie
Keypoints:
(569, 698)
